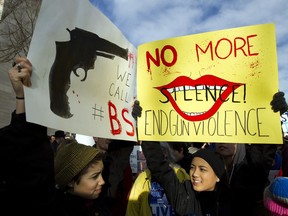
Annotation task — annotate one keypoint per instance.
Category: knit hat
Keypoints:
(276, 196)
(213, 159)
(70, 159)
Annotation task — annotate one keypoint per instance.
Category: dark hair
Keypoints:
(177, 146)
(96, 159)
(198, 144)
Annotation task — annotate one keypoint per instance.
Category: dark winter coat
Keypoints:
(249, 178)
(285, 158)
(71, 205)
(26, 169)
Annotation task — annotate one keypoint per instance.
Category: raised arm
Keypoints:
(180, 195)
(26, 158)
(20, 75)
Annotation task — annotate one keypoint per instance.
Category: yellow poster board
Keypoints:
(210, 87)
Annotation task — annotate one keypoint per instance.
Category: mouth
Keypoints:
(212, 88)
(196, 182)
(98, 191)
(222, 148)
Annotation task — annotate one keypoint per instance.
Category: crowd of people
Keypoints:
(60, 176)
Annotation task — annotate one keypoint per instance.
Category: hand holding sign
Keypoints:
(278, 103)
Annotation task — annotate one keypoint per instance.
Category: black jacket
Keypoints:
(71, 205)
(249, 179)
(26, 169)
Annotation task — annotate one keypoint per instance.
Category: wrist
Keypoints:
(20, 98)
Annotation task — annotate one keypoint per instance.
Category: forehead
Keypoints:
(197, 161)
(95, 167)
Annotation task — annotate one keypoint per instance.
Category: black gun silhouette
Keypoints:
(80, 52)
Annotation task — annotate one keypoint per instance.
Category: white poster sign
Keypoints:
(83, 72)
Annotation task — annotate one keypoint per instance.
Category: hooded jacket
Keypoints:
(248, 177)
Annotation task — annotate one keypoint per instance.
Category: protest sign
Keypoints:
(210, 87)
(83, 72)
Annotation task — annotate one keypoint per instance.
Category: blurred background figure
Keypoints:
(247, 172)
(117, 173)
(59, 137)
(181, 154)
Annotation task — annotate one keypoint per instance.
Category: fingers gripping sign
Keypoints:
(21, 72)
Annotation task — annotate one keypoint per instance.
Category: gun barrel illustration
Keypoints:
(80, 52)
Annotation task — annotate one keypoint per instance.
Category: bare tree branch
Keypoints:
(16, 27)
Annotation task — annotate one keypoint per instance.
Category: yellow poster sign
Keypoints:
(210, 87)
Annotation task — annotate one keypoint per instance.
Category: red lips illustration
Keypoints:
(205, 82)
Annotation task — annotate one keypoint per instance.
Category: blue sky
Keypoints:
(150, 20)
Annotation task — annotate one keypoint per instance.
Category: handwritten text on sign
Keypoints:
(208, 86)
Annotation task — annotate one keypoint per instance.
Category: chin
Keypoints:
(198, 189)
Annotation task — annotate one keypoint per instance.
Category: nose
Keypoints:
(101, 180)
(193, 172)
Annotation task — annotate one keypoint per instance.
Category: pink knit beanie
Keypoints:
(276, 197)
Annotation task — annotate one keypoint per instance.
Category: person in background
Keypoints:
(27, 185)
(248, 167)
(59, 137)
(276, 169)
(181, 154)
(284, 167)
(51, 138)
(117, 173)
(279, 104)
(147, 197)
(247, 172)
(233, 154)
(102, 143)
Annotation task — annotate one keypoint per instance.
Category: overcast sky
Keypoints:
(150, 20)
